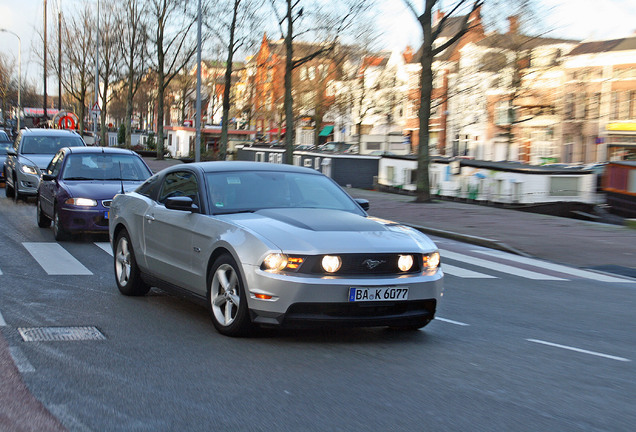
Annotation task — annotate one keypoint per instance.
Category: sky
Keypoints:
(570, 19)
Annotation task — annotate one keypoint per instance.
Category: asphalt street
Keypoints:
(529, 341)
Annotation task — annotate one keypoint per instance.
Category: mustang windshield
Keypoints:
(241, 191)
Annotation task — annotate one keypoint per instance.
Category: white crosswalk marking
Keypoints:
(464, 273)
(556, 267)
(105, 246)
(468, 259)
(55, 260)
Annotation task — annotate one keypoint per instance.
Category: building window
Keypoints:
(564, 186)
(260, 157)
(390, 173)
(614, 106)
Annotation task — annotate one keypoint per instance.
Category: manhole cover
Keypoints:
(45, 334)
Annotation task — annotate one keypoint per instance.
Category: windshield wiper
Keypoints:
(78, 178)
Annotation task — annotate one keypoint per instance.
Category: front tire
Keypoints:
(127, 273)
(43, 220)
(8, 190)
(226, 298)
(58, 231)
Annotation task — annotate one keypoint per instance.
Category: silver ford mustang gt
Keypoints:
(271, 245)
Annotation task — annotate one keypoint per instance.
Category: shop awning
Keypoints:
(326, 131)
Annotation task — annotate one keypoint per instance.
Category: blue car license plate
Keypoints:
(378, 294)
(105, 215)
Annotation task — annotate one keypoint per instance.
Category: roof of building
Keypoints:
(519, 41)
(592, 47)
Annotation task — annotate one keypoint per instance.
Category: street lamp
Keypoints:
(19, 71)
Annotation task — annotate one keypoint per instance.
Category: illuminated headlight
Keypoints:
(331, 263)
(430, 261)
(82, 202)
(405, 262)
(279, 262)
(28, 169)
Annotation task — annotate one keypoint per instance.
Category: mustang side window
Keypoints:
(180, 183)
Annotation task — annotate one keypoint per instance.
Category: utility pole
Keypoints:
(95, 115)
(45, 103)
(59, 55)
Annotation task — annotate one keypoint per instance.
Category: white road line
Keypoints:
(105, 246)
(464, 273)
(55, 260)
(556, 267)
(2, 321)
(20, 360)
(579, 350)
(451, 321)
(497, 266)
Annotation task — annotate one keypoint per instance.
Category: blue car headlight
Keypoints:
(81, 202)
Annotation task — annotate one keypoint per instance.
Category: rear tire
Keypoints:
(226, 298)
(43, 220)
(127, 273)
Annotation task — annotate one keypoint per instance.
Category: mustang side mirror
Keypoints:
(182, 203)
(363, 203)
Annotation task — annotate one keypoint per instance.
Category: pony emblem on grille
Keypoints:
(371, 263)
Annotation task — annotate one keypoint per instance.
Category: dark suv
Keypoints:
(30, 155)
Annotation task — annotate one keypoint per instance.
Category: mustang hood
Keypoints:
(313, 231)
(98, 189)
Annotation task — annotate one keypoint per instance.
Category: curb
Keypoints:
(479, 241)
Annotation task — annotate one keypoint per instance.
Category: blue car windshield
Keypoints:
(100, 166)
(4, 146)
(49, 144)
(245, 191)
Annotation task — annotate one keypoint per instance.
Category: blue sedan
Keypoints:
(77, 188)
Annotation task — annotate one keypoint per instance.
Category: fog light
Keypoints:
(331, 263)
(405, 262)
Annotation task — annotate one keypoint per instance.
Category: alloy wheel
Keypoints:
(224, 294)
(122, 262)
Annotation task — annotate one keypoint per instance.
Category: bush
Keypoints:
(151, 142)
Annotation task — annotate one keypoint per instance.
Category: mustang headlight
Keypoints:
(280, 262)
(331, 263)
(82, 202)
(405, 262)
(29, 169)
(430, 261)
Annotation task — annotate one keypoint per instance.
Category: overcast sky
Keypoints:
(570, 19)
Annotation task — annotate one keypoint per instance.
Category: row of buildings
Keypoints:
(497, 97)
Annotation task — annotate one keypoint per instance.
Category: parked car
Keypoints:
(272, 245)
(305, 147)
(30, 155)
(78, 186)
(5, 145)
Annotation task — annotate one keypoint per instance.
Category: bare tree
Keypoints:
(174, 46)
(79, 45)
(110, 61)
(329, 24)
(429, 50)
(134, 50)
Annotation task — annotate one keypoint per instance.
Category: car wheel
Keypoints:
(226, 298)
(16, 192)
(58, 231)
(8, 189)
(43, 220)
(127, 273)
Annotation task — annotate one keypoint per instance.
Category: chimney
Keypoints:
(513, 24)
(437, 17)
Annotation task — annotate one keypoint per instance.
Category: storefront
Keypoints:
(621, 141)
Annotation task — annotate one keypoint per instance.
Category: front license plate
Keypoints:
(105, 215)
(378, 294)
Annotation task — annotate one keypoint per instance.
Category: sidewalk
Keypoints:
(562, 240)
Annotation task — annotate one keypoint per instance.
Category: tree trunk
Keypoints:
(289, 100)
(228, 86)
(423, 193)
